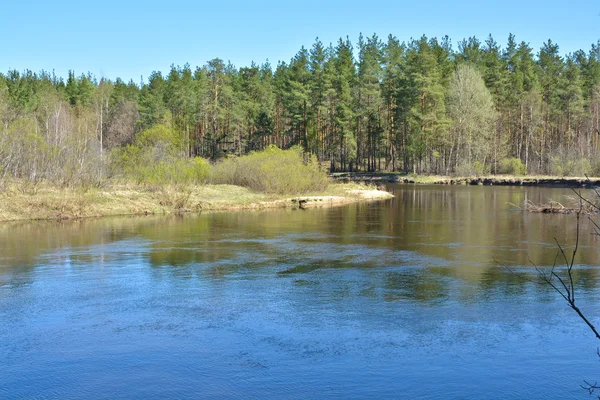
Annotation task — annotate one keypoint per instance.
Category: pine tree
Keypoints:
(297, 97)
(429, 124)
(393, 72)
(368, 104)
(344, 84)
(152, 105)
(319, 84)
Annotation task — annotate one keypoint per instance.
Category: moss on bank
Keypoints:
(22, 201)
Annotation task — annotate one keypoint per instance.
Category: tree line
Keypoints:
(419, 106)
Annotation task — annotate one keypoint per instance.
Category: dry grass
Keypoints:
(21, 202)
(444, 179)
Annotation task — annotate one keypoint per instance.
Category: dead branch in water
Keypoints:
(582, 206)
(553, 207)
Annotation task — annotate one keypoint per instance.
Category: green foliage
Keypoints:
(155, 158)
(178, 171)
(273, 171)
(160, 136)
(595, 165)
(151, 101)
(136, 163)
(477, 169)
(472, 109)
(512, 166)
(125, 160)
(417, 106)
(566, 166)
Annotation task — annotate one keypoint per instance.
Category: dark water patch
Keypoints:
(301, 269)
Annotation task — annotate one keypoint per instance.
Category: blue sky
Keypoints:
(130, 39)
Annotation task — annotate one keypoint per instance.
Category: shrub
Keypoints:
(224, 171)
(125, 161)
(512, 166)
(159, 136)
(477, 168)
(273, 171)
(156, 159)
(176, 171)
(142, 166)
(595, 171)
(201, 170)
(569, 167)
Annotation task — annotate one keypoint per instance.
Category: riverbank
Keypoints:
(25, 202)
(498, 180)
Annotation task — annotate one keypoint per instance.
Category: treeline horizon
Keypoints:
(419, 106)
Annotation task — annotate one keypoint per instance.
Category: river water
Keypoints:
(393, 299)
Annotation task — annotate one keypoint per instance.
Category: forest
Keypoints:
(420, 106)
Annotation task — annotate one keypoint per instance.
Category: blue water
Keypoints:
(397, 299)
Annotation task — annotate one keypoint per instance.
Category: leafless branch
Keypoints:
(590, 387)
(563, 282)
(596, 226)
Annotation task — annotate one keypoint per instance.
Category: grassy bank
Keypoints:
(152, 177)
(22, 201)
(501, 180)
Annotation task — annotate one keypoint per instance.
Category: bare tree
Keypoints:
(120, 124)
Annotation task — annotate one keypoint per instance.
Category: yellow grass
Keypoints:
(441, 178)
(21, 201)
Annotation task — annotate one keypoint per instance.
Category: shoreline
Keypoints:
(498, 180)
(52, 203)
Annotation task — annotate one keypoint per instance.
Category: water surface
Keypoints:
(394, 299)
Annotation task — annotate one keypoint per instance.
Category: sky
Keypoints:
(130, 39)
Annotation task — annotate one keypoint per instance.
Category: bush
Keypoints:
(477, 168)
(141, 165)
(512, 166)
(201, 170)
(156, 159)
(595, 168)
(224, 171)
(176, 171)
(160, 136)
(273, 171)
(569, 167)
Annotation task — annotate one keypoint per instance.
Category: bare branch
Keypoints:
(566, 288)
(570, 266)
(596, 226)
(562, 251)
(590, 387)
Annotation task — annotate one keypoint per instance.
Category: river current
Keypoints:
(404, 298)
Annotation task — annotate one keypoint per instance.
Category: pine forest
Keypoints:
(425, 106)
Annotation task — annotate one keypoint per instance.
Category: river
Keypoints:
(393, 299)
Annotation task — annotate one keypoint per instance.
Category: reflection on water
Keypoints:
(392, 299)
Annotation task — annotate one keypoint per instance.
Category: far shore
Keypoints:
(499, 180)
(21, 201)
